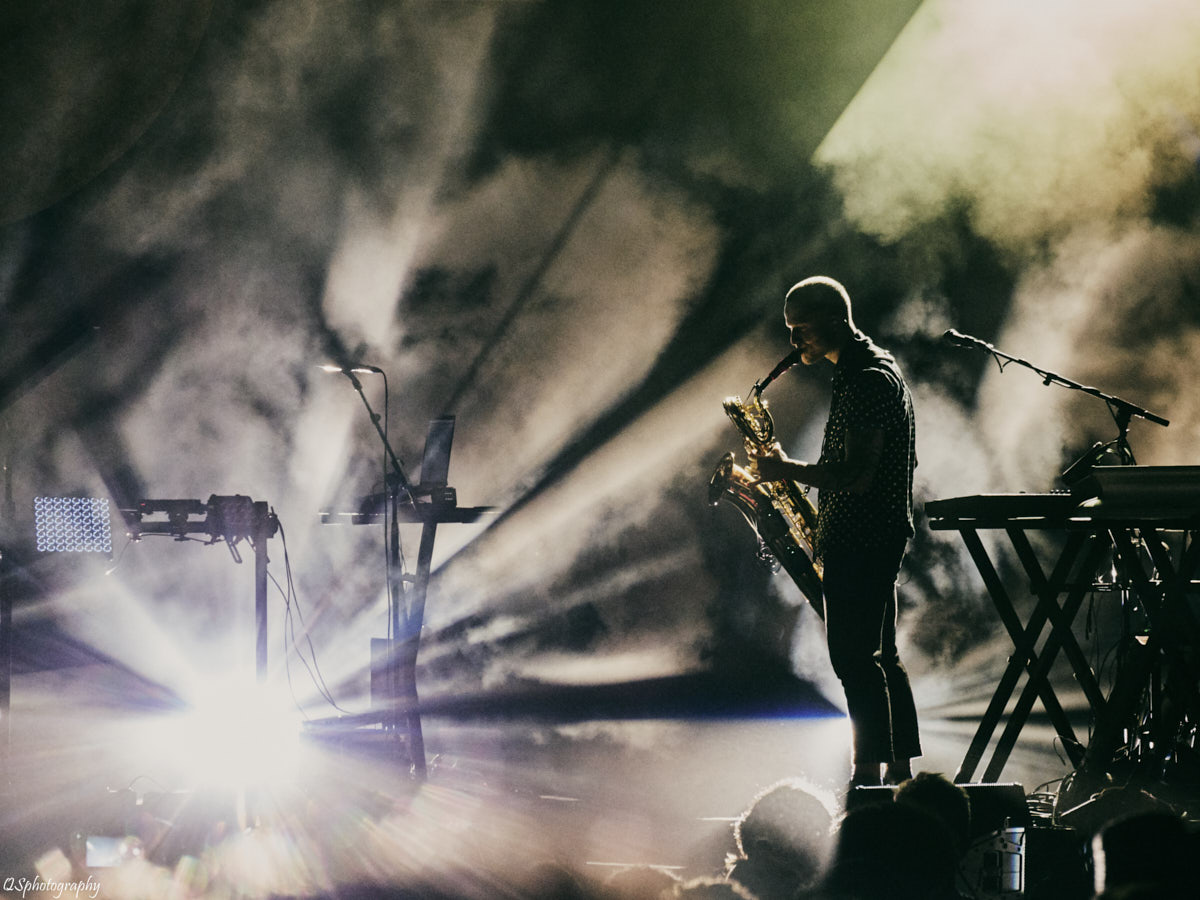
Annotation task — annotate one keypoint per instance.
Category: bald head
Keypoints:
(818, 298)
(817, 314)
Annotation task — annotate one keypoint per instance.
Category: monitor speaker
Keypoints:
(993, 806)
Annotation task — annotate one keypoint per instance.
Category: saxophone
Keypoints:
(780, 512)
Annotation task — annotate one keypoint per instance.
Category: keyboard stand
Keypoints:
(1025, 638)
(1154, 578)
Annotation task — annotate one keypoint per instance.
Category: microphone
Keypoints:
(786, 363)
(958, 339)
(352, 370)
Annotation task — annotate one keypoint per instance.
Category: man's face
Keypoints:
(809, 333)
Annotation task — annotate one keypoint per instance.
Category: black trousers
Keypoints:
(860, 625)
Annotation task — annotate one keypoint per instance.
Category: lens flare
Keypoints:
(232, 736)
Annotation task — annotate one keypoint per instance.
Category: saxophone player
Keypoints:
(864, 479)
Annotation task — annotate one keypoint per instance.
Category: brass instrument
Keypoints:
(779, 511)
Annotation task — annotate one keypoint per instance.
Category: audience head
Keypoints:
(787, 816)
(555, 881)
(1145, 854)
(892, 850)
(782, 840)
(937, 794)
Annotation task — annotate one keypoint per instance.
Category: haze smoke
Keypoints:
(581, 280)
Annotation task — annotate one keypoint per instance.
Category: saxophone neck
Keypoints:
(793, 358)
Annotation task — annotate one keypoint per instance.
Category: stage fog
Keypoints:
(569, 226)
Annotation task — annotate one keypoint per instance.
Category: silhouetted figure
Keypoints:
(555, 881)
(890, 851)
(937, 794)
(864, 475)
(782, 841)
(1146, 855)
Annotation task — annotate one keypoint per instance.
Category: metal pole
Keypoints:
(263, 529)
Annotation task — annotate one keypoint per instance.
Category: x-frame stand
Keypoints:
(1027, 658)
(1160, 591)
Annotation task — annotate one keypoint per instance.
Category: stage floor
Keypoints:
(501, 799)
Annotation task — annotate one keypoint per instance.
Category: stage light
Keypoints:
(232, 736)
(72, 525)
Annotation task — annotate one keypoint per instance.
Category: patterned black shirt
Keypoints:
(869, 394)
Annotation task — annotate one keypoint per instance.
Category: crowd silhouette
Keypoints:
(908, 843)
(920, 840)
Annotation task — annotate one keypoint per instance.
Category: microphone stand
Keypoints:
(1122, 410)
(400, 479)
(397, 484)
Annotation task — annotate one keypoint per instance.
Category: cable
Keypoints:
(286, 655)
(291, 598)
(1045, 784)
(316, 676)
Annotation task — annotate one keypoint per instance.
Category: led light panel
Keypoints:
(72, 524)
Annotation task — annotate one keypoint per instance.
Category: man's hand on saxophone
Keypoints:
(854, 473)
(772, 464)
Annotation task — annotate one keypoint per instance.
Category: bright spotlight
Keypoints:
(234, 736)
